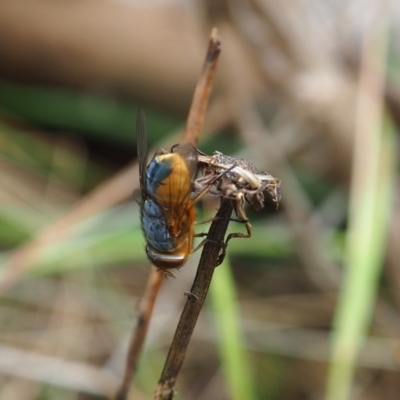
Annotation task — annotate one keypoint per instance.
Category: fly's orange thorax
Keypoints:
(174, 190)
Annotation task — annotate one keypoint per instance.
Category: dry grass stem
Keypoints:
(153, 285)
(202, 92)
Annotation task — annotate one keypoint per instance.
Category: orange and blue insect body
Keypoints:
(167, 209)
(169, 177)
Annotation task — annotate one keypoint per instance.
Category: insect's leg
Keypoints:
(167, 273)
(216, 219)
(221, 256)
(240, 235)
(237, 220)
(202, 234)
(210, 183)
(238, 205)
(203, 242)
(235, 235)
(205, 221)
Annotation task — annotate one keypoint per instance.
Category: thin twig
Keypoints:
(154, 283)
(203, 90)
(194, 303)
(192, 132)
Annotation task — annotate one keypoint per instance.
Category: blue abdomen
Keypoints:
(155, 228)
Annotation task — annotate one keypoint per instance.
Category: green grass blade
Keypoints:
(235, 363)
(370, 206)
(367, 236)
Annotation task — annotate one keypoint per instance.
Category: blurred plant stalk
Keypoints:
(370, 205)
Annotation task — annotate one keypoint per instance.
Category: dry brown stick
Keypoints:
(216, 234)
(202, 92)
(145, 312)
(194, 303)
(191, 135)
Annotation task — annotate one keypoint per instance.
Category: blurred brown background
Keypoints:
(297, 81)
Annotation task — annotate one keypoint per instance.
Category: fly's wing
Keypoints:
(189, 154)
(180, 183)
(141, 143)
(182, 214)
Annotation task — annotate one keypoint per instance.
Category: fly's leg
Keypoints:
(238, 205)
(224, 245)
(210, 183)
(221, 257)
(204, 222)
(203, 242)
(167, 273)
(240, 235)
(215, 219)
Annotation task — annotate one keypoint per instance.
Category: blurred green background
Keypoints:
(309, 307)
